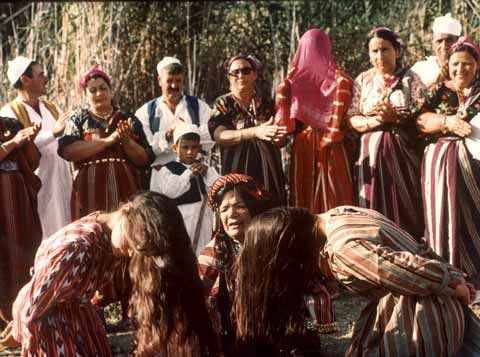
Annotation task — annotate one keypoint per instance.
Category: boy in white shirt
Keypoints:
(187, 180)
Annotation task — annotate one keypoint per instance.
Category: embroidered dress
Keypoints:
(257, 158)
(412, 311)
(20, 229)
(109, 177)
(53, 313)
(387, 170)
(451, 185)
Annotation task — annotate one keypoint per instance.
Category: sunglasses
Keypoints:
(245, 71)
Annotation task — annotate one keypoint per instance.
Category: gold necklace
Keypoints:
(103, 116)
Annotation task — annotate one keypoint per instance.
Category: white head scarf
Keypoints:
(165, 62)
(447, 24)
(17, 67)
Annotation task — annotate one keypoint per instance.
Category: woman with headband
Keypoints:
(109, 151)
(383, 111)
(53, 313)
(242, 125)
(235, 199)
(450, 169)
(312, 103)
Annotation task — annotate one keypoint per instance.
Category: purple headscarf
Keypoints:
(95, 71)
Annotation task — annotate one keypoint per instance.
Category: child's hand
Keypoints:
(199, 169)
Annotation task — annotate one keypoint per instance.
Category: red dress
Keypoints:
(20, 229)
(320, 173)
(53, 313)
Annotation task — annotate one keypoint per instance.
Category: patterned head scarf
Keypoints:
(95, 71)
(254, 62)
(465, 41)
(227, 183)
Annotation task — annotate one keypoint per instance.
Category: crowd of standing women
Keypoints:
(401, 143)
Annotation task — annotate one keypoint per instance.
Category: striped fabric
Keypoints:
(320, 176)
(388, 168)
(53, 313)
(20, 229)
(412, 311)
(451, 198)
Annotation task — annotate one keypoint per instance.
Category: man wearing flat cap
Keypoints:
(28, 78)
(161, 115)
(446, 30)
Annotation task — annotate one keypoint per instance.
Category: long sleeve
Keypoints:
(44, 138)
(204, 115)
(208, 269)
(355, 106)
(156, 140)
(171, 185)
(210, 177)
(341, 103)
(60, 278)
(368, 266)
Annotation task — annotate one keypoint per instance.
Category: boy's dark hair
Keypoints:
(174, 69)
(28, 72)
(190, 136)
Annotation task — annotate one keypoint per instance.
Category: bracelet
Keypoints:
(368, 123)
(444, 128)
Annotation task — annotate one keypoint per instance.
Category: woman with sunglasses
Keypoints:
(242, 125)
(384, 108)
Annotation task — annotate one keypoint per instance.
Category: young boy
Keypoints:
(187, 180)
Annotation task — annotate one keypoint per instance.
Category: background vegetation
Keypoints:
(128, 38)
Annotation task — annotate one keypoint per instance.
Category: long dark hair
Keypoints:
(168, 299)
(275, 269)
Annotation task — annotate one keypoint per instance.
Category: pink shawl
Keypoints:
(312, 83)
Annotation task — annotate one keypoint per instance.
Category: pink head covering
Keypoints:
(465, 41)
(313, 84)
(95, 71)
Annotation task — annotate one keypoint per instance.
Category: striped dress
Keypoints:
(387, 170)
(451, 187)
(412, 311)
(320, 176)
(20, 229)
(53, 313)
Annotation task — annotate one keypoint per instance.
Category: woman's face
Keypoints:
(462, 68)
(241, 75)
(234, 215)
(383, 56)
(99, 94)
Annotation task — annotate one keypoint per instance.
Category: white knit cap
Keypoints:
(165, 62)
(184, 128)
(17, 67)
(447, 24)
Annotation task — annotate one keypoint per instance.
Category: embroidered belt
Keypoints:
(8, 165)
(102, 161)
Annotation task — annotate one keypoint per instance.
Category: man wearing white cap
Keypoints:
(446, 30)
(187, 180)
(161, 115)
(28, 77)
